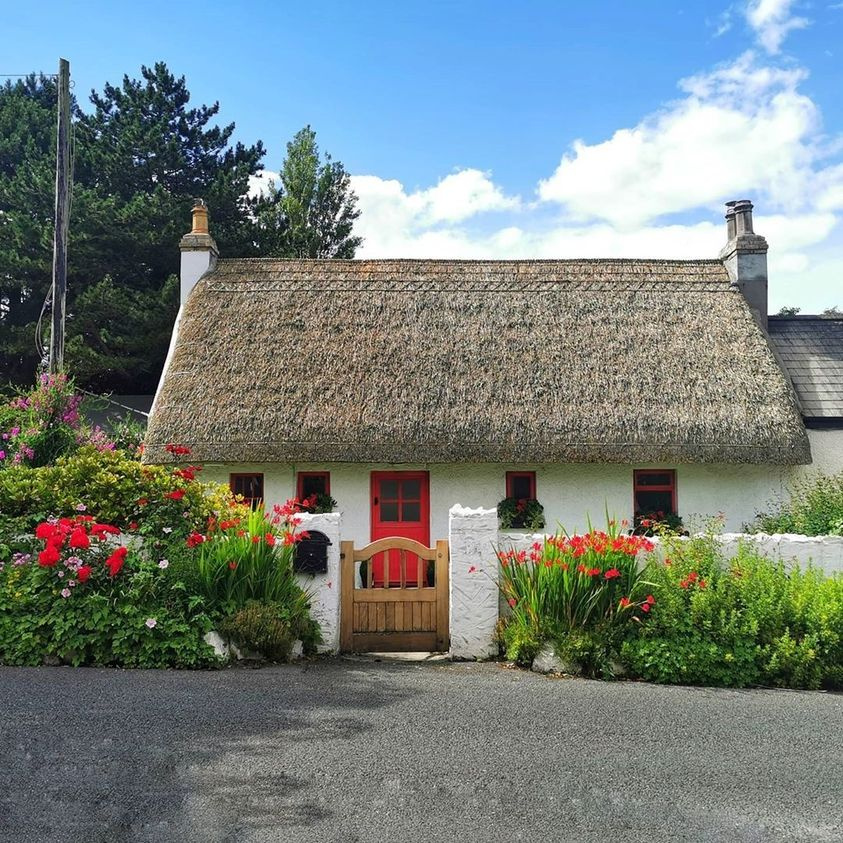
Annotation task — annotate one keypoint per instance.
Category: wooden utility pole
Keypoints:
(62, 219)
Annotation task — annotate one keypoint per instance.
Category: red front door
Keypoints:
(400, 507)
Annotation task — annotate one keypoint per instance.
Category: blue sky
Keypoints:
(532, 129)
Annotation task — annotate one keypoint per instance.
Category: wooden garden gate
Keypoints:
(394, 597)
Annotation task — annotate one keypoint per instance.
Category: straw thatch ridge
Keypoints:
(433, 361)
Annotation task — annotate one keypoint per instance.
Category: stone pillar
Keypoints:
(325, 588)
(473, 534)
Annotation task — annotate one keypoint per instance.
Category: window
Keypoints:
(248, 485)
(312, 483)
(654, 492)
(521, 485)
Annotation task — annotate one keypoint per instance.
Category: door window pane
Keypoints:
(411, 511)
(389, 489)
(389, 510)
(411, 490)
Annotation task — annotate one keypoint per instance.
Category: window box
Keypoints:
(315, 486)
(519, 509)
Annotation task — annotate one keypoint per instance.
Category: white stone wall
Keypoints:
(325, 588)
(473, 582)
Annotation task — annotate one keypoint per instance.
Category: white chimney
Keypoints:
(199, 252)
(745, 258)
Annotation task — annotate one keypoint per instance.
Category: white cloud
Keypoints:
(772, 20)
(742, 128)
(260, 182)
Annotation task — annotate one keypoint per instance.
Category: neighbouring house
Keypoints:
(403, 387)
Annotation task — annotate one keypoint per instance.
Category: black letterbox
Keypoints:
(312, 554)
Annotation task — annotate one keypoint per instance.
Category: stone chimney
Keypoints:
(745, 258)
(199, 252)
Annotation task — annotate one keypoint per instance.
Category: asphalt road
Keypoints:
(362, 751)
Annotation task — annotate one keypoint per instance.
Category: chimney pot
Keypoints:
(743, 217)
(200, 217)
(731, 228)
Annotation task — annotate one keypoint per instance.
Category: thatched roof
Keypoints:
(433, 361)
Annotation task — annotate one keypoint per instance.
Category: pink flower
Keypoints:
(65, 592)
(151, 623)
(163, 563)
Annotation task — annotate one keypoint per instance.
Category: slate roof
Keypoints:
(811, 350)
(435, 361)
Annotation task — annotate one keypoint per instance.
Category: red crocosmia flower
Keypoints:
(290, 538)
(701, 583)
(594, 572)
(684, 584)
(693, 576)
(612, 573)
(512, 601)
(645, 607)
(625, 602)
(48, 557)
(668, 561)
(175, 495)
(115, 562)
(650, 600)
(581, 569)
(194, 539)
(143, 501)
(79, 538)
(232, 565)
(241, 533)
(269, 538)
(472, 569)
(83, 573)
(537, 546)
(256, 539)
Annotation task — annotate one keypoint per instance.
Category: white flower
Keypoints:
(151, 623)
(163, 563)
(80, 507)
(167, 529)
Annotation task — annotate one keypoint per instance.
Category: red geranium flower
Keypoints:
(143, 501)
(115, 562)
(48, 557)
(195, 538)
(45, 531)
(79, 538)
(175, 495)
(83, 573)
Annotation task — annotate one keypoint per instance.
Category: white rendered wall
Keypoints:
(570, 493)
(325, 588)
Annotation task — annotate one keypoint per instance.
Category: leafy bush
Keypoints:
(261, 627)
(517, 513)
(75, 595)
(568, 585)
(38, 427)
(815, 508)
(113, 487)
(740, 622)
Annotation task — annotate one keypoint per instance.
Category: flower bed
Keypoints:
(698, 612)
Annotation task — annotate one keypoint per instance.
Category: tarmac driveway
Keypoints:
(354, 750)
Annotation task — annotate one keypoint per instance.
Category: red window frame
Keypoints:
(242, 475)
(510, 482)
(301, 475)
(661, 487)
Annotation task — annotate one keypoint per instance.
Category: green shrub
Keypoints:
(73, 598)
(815, 508)
(518, 513)
(260, 627)
(738, 622)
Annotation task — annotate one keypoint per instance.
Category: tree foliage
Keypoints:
(311, 212)
(141, 153)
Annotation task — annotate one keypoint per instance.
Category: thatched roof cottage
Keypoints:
(401, 387)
